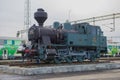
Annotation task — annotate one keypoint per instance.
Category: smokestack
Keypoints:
(40, 16)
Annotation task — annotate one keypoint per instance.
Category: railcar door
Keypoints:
(5, 54)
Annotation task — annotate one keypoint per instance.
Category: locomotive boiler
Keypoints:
(65, 42)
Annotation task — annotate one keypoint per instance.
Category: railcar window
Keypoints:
(5, 41)
(13, 42)
(98, 31)
(1, 42)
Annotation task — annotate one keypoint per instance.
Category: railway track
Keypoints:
(33, 64)
(43, 64)
(110, 58)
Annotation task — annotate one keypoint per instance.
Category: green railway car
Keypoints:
(113, 49)
(9, 46)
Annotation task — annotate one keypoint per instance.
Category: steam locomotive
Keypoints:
(65, 42)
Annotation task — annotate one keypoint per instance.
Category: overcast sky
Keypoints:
(12, 11)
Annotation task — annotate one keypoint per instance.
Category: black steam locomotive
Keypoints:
(65, 42)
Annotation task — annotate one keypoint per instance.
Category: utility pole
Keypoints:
(113, 22)
(27, 15)
(27, 19)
